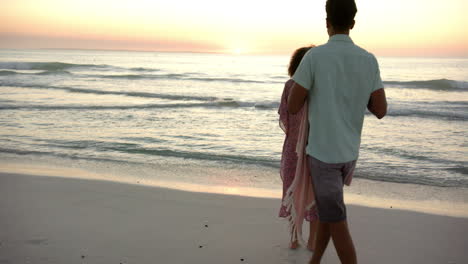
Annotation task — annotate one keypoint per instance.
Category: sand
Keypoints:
(65, 220)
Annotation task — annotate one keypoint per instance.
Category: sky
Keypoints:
(384, 27)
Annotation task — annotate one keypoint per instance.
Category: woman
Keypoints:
(293, 207)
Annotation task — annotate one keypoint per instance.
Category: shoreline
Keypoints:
(445, 201)
(69, 220)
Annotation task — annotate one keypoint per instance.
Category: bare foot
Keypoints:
(294, 245)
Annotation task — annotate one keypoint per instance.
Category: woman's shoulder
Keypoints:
(289, 83)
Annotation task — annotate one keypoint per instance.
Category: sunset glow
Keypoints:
(399, 27)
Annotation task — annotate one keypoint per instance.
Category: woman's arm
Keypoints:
(296, 98)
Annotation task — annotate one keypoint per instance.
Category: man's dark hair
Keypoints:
(340, 13)
(296, 59)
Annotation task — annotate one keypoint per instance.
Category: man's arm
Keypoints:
(377, 103)
(297, 98)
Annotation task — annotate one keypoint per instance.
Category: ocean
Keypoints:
(211, 119)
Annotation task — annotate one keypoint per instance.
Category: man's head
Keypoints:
(340, 16)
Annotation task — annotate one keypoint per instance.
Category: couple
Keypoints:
(322, 111)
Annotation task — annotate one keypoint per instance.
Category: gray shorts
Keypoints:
(328, 181)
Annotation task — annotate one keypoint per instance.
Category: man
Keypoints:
(340, 80)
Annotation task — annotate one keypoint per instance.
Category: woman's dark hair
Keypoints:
(340, 13)
(296, 59)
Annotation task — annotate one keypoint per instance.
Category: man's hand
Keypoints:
(377, 103)
(297, 98)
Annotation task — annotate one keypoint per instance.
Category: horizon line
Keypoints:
(222, 53)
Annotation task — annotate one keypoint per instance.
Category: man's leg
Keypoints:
(323, 237)
(343, 242)
(328, 188)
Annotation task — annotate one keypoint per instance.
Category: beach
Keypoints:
(156, 157)
(70, 220)
(137, 132)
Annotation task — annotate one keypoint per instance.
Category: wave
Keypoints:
(410, 155)
(267, 105)
(61, 148)
(24, 152)
(383, 176)
(55, 154)
(142, 69)
(198, 155)
(459, 115)
(229, 102)
(216, 104)
(104, 76)
(103, 92)
(233, 80)
(56, 72)
(439, 84)
(461, 170)
(213, 101)
(53, 68)
(5, 73)
(139, 76)
(280, 77)
(48, 66)
(439, 110)
(446, 110)
(213, 104)
(174, 76)
(102, 107)
(62, 66)
(424, 161)
(135, 149)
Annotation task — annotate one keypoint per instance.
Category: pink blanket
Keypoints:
(300, 195)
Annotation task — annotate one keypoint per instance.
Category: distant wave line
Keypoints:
(209, 101)
(379, 175)
(157, 152)
(48, 66)
(228, 104)
(5, 73)
(102, 92)
(428, 115)
(213, 104)
(61, 67)
(174, 76)
(439, 84)
(436, 114)
(58, 66)
(55, 72)
(413, 156)
(212, 101)
(169, 76)
(100, 107)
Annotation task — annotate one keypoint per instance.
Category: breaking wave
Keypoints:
(440, 84)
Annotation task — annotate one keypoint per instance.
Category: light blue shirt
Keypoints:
(339, 77)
